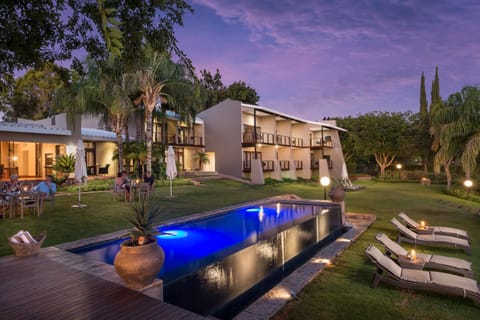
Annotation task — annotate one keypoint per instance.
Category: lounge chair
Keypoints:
(447, 231)
(390, 272)
(409, 236)
(432, 261)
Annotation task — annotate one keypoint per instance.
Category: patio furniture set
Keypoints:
(411, 270)
(138, 191)
(19, 203)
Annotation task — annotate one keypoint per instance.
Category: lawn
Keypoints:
(340, 292)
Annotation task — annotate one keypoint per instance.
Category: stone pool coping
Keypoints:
(267, 305)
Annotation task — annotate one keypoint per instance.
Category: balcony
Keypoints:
(180, 140)
(317, 143)
(271, 139)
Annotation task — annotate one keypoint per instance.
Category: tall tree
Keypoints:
(459, 130)
(32, 32)
(151, 22)
(33, 92)
(239, 90)
(436, 99)
(161, 84)
(213, 86)
(423, 97)
(379, 134)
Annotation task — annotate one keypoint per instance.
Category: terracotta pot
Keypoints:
(337, 194)
(138, 266)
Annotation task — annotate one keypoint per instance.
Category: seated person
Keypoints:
(48, 186)
(148, 178)
(12, 186)
(121, 183)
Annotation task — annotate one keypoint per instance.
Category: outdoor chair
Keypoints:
(29, 200)
(391, 273)
(432, 261)
(459, 233)
(104, 170)
(144, 191)
(409, 236)
(119, 193)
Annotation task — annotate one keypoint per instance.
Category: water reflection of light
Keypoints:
(261, 214)
(278, 209)
(215, 275)
(266, 250)
(253, 210)
(172, 234)
(321, 260)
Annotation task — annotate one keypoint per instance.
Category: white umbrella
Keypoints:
(80, 170)
(346, 181)
(171, 167)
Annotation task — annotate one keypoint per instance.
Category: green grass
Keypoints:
(341, 291)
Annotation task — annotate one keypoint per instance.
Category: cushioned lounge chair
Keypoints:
(390, 272)
(447, 231)
(432, 261)
(409, 236)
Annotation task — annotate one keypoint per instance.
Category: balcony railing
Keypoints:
(317, 143)
(179, 140)
(270, 138)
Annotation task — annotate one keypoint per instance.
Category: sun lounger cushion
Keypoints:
(437, 238)
(450, 261)
(450, 280)
(387, 263)
(415, 275)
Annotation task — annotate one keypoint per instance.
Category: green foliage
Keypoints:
(33, 92)
(64, 163)
(216, 91)
(142, 220)
(202, 158)
(423, 97)
(379, 134)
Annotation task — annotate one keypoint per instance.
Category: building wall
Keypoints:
(223, 136)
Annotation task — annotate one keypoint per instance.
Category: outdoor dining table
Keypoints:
(13, 199)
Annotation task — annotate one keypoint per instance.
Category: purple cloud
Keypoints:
(328, 58)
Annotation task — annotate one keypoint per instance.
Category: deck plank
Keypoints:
(39, 288)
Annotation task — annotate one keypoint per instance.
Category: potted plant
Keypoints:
(337, 193)
(140, 258)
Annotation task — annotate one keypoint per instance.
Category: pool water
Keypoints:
(219, 264)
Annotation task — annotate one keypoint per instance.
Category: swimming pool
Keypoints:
(219, 264)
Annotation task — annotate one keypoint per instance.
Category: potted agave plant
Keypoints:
(140, 257)
(337, 193)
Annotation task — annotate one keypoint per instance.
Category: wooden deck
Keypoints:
(39, 288)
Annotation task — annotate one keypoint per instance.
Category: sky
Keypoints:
(319, 58)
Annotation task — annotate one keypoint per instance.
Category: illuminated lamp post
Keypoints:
(325, 181)
(399, 168)
(468, 184)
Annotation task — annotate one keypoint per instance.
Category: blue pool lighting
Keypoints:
(172, 234)
(219, 264)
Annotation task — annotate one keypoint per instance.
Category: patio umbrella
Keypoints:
(346, 181)
(80, 171)
(171, 167)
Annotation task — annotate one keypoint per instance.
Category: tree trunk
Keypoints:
(148, 140)
(120, 150)
(384, 161)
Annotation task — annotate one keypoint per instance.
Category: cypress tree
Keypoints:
(436, 100)
(423, 97)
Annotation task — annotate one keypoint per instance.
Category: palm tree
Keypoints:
(202, 157)
(163, 85)
(456, 129)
